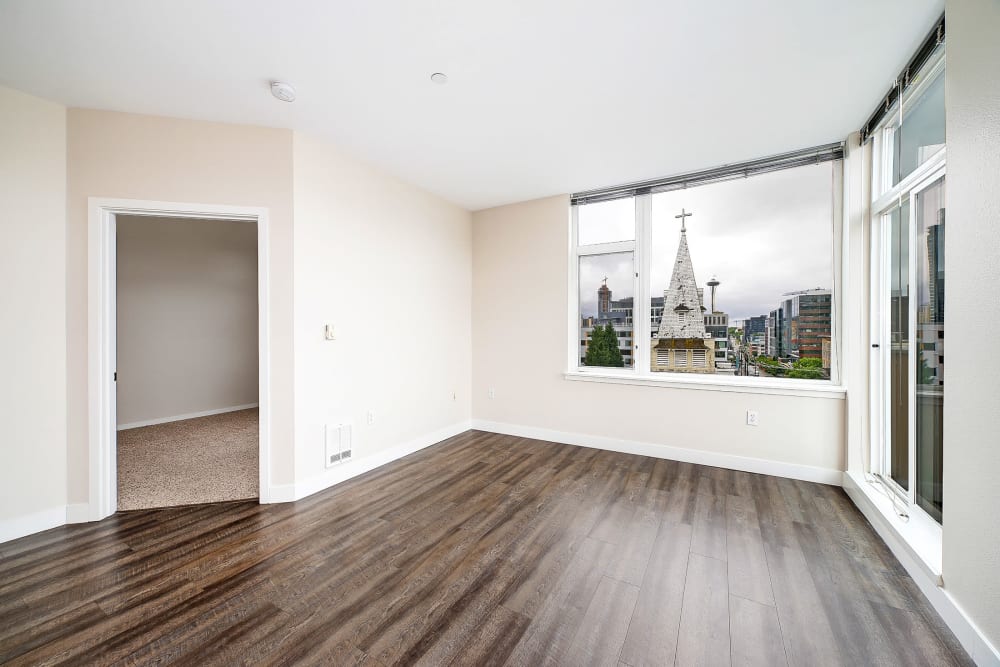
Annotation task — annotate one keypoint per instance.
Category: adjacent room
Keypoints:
(187, 349)
(456, 333)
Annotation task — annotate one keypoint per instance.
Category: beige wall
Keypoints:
(164, 159)
(32, 300)
(519, 348)
(187, 316)
(972, 418)
(389, 266)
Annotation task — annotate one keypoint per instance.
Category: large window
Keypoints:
(730, 278)
(908, 296)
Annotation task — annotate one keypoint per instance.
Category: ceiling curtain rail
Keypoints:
(934, 39)
(800, 158)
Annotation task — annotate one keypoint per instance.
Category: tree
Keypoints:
(770, 365)
(807, 369)
(615, 358)
(603, 349)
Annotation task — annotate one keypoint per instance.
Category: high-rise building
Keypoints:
(809, 322)
(935, 260)
(755, 325)
(772, 333)
(755, 334)
(930, 316)
(603, 300)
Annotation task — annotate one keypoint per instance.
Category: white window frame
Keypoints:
(885, 199)
(925, 176)
(576, 253)
(640, 373)
(884, 138)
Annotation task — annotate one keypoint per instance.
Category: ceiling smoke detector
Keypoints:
(439, 78)
(283, 91)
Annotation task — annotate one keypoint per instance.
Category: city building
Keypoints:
(616, 313)
(930, 316)
(809, 323)
(755, 325)
(772, 333)
(717, 326)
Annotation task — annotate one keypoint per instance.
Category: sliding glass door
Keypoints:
(909, 311)
(908, 298)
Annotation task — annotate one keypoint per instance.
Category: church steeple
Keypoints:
(683, 214)
(682, 307)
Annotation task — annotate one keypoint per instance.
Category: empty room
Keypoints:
(468, 333)
(186, 364)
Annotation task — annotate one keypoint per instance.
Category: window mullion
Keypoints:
(573, 282)
(641, 315)
(605, 248)
(911, 362)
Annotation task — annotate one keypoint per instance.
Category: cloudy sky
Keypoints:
(761, 237)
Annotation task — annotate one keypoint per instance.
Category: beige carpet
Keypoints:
(203, 460)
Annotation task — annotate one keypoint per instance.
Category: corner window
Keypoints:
(729, 277)
(908, 295)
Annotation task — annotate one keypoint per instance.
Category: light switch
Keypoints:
(330, 333)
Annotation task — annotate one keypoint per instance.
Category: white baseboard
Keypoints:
(280, 493)
(36, 522)
(79, 513)
(355, 467)
(968, 634)
(716, 459)
(190, 415)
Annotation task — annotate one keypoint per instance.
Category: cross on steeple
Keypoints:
(605, 280)
(683, 215)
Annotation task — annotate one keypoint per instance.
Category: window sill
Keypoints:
(774, 386)
(920, 536)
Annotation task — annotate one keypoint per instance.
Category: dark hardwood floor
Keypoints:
(482, 550)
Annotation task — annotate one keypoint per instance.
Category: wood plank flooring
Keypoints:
(482, 550)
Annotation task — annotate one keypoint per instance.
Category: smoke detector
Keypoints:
(439, 78)
(283, 91)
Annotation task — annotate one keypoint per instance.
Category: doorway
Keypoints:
(103, 358)
(187, 361)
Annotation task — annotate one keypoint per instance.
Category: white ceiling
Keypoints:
(544, 97)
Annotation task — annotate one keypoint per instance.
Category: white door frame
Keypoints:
(101, 333)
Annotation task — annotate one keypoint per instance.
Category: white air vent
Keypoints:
(338, 443)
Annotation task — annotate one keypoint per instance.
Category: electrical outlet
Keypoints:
(753, 419)
(493, 392)
(371, 417)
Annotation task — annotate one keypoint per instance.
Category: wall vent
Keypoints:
(338, 444)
